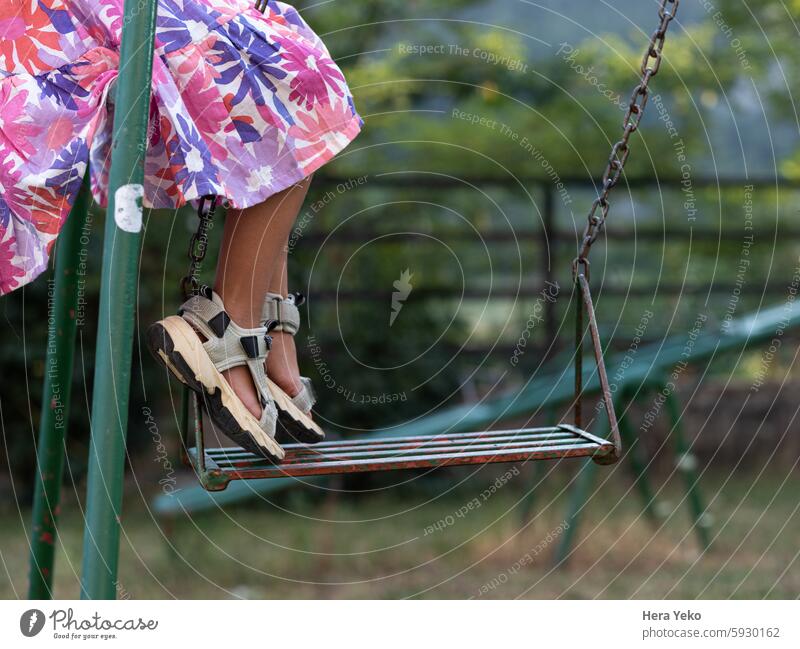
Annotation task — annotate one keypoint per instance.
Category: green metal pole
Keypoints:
(115, 330)
(63, 319)
(536, 475)
(579, 494)
(638, 465)
(687, 465)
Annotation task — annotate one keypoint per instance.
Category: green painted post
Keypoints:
(537, 472)
(579, 494)
(62, 325)
(687, 465)
(638, 465)
(115, 330)
(528, 501)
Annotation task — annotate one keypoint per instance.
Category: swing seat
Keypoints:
(216, 467)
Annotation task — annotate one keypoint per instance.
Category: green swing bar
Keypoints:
(216, 467)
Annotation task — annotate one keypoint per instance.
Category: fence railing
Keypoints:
(546, 234)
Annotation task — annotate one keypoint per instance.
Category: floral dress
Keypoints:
(244, 105)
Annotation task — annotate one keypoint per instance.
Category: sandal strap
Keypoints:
(227, 344)
(281, 313)
(306, 398)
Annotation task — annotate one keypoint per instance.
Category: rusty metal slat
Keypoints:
(292, 459)
(489, 456)
(409, 443)
(389, 444)
(584, 434)
(413, 438)
(419, 462)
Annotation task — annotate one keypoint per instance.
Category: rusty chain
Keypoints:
(651, 63)
(198, 244)
(190, 285)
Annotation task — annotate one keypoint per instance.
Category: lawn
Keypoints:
(419, 538)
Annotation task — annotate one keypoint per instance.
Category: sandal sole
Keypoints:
(177, 347)
(294, 426)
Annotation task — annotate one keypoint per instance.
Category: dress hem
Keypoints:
(349, 131)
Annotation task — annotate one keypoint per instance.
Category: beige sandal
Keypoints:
(294, 421)
(177, 342)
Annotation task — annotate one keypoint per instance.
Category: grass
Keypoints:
(405, 539)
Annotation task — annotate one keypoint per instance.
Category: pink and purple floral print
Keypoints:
(244, 105)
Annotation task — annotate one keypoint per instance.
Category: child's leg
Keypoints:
(253, 243)
(282, 360)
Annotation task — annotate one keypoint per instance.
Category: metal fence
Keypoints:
(550, 237)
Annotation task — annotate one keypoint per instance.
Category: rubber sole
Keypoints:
(294, 426)
(175, 345)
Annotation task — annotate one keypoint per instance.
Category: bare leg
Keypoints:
(282, 360)
(253, 242)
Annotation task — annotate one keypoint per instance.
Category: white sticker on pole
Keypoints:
(128, 207)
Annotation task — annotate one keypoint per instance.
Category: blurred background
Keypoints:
(488, 125)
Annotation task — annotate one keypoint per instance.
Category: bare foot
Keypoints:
(282, 366)
(242, 383)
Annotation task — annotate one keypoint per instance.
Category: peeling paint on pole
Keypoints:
(128, 207)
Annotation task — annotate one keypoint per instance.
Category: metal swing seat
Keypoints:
(216, 467)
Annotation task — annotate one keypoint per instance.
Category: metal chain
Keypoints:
(190, 285)
(198, 244)
(651, 63)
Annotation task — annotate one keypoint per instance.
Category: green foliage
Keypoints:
(408, 96)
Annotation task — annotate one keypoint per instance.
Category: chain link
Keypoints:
(651, 64)
(198, 245)
(190, 284)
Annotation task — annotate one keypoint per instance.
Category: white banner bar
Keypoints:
(404, 624)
